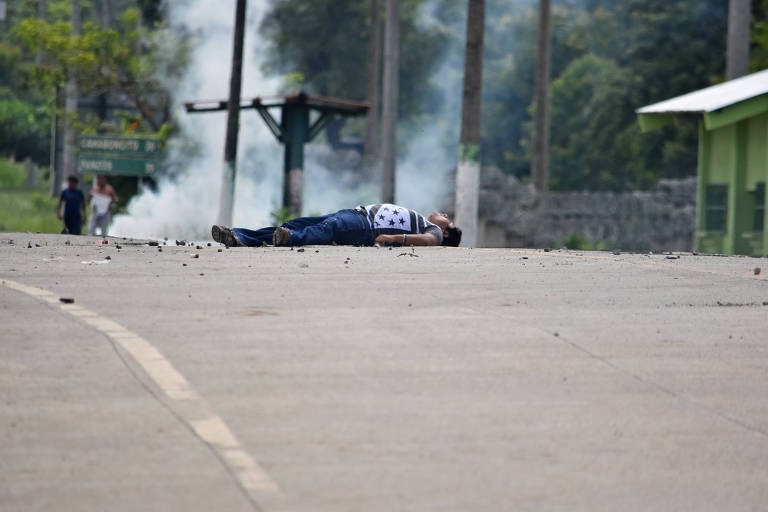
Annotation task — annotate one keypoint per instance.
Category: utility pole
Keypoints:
(739, 24)
(56, 154)
(540, 157)
(106, 14)
(389, 107)
(373, 89)
(468, 171)
(227, 198)
(42, 13)
(55, 179)
(70, 111)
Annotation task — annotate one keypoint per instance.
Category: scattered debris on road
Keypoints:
(757, 271)
(67, 300)
(739, 304)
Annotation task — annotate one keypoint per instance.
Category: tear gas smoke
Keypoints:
(184, 206)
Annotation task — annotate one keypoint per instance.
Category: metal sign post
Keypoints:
(294, 129)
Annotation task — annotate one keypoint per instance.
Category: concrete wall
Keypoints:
(663, 218)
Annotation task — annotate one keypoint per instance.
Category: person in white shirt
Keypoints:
(101, 197)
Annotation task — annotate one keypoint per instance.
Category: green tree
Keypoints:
(125, 61)
(607, 61)
(327, 40)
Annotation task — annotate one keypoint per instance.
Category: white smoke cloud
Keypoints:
(186, 206)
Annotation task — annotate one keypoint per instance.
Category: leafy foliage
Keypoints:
(325, 41)
(608, 58)
(138, 61)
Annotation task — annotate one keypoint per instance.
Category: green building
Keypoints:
(733, 160)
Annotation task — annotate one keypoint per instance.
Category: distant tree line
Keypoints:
(609, 57)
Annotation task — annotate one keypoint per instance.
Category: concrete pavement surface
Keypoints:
(365, 379)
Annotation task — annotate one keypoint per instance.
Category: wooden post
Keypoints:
(739, 21)
(540, 157)
(70, 109)
(106, 14)
(468, 171)
(42, 13)
(227, 198)
(390, 100)
(373, 89)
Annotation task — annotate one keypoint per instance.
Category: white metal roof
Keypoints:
(713, 98)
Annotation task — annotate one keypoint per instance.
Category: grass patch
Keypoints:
(23, 208)
(11, 174)
(28, 210)
(579, 242)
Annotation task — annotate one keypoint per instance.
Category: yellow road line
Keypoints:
(207, 426)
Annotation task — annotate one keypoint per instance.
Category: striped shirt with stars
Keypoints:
(390, 219)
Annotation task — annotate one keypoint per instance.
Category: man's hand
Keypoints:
(420, 240)
(388, 239)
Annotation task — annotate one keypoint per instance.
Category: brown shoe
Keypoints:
(224, 235)
(281, 237)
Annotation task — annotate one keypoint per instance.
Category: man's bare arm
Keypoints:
(420, 240)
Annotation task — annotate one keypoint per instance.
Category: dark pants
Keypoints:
(73, 223)
(345, 227)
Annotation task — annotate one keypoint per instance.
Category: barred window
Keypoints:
(759, 219)
(716, 207)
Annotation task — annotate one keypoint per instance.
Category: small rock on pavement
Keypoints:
(300, 249)
(218, 250)
(29, 245)
(67, 300)
(107, 257)
(757, 271)
(153, 244)
(196, 256)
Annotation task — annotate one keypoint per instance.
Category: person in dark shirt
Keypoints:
(74, 207)
(384, 224)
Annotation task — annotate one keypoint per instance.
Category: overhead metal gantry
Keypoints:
(294, 129)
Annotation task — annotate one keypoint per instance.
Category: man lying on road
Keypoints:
(385, 224)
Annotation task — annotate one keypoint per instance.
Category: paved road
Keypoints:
(379, 380)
